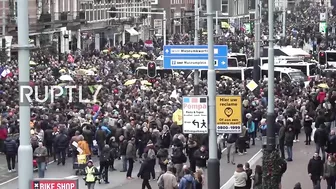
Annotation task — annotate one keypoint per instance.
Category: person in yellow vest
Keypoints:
(91, 173)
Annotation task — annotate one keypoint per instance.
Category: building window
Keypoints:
(225, 5)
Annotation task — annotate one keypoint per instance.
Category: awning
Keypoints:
(132, 31)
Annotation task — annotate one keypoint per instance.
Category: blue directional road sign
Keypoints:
(190, 57)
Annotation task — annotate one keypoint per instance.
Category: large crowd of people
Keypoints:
(133, 117)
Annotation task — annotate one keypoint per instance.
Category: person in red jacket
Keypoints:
(3, 136)
(321, 96)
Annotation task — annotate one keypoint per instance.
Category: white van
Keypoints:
(231, 72)
(287, 74)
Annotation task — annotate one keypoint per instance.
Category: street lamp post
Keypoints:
(196, 73)
(163, 13)
(213, 162)
(25, 152)
(272, 162)
(256, 63)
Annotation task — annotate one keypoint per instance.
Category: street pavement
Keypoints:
(297, 169)
(118, 180)
(4, 175)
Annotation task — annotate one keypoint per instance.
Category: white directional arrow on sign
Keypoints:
(167, 51)
(223, 62)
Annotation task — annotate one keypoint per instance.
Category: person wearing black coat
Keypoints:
(100, 138)
(297, 127)
(122, 150)
(10, 150)
(307, 125)
(315, 170)
(320, 139)
(61, 144)
(282, 132)
(289, 140)
(114, 152)
(88, 135)
(165, 138)
(162, 156)
(145, 171)
(201, 156)
(104, 161)
(331, 143)
(192, 147)
(48, 140)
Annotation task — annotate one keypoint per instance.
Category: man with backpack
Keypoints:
(187, 181)
(150, 151)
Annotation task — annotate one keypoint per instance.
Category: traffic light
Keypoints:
(322, 59)
(112, 14)
(322, 2)
(151, 69)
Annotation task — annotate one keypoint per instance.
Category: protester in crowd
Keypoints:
(130, 156)
(10, 150)
(104, 163)
(91, 175)
(257, 177)
(168, 179)
(84, 146)
(114, 152)
(187, 181)
(122, 149)
(289, 139)
(145, 171)
(307, 124)
(199, 178)
(192, 147)
(61, 144)
(41, 154)
(178, 157)
(151, 157)
(240, 177)
(201, 156)
(251, 128)
(315, 170)
(320, 139)
(249, 172)
(330, 172)
(231, 141)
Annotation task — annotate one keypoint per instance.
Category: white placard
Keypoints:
(154, 2)
(158, 27)
(195, 114)
(322, 16)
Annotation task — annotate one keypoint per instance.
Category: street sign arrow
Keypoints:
(196, 123)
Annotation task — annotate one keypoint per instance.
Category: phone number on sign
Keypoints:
(229, 128)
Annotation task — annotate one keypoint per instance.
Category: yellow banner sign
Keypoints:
(228, 114)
